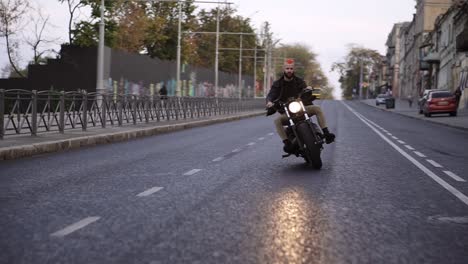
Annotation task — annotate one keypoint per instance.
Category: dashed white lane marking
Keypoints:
(423, 168)
(74, 227)
(262, 138)
(409, 147)
(390, 134)
(271, 134)
(394, 137)
(435, 164)
(420, 154)
(150, 191)
(454, 176)
(401, 142)
(251, 144)
(457, 219)
(192, 172)
(236, 150)
(164, 173)
(218, 159)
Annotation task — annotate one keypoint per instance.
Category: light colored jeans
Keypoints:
(311, 110)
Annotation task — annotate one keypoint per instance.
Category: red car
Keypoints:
(440, 102)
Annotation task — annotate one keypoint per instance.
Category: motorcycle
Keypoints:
(306, 136)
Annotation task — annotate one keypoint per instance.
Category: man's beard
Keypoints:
(288, 75)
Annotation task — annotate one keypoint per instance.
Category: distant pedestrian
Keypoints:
(458, 95)
(163, 92)
(410, 101)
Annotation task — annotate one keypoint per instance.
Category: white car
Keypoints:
(380, 99)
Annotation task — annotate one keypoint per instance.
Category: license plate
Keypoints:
(443, 103)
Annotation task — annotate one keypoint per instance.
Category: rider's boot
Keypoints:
(329, 137)
(288, 146)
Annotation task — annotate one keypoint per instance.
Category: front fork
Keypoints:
(318, 139)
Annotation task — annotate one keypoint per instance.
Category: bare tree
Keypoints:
(40, 23)
(73, 6)
(11, 22)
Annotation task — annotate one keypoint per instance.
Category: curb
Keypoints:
(413, 117)
(22, 151)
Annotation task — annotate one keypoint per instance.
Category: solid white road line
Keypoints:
(401, 142)
(192, 172)
(218, 159)
(251, 144)
(262, 138)
(150, 191)
(78, 225)
(420, 154)
(409, 147)
(454, 176)
(423, 168)
(435, 164)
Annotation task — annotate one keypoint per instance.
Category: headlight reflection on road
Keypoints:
(292, 236)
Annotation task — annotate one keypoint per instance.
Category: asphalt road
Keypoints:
(391, 191)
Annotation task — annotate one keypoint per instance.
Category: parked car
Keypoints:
(317, 92)
(380, 99)
(423, 99)
(440, 102)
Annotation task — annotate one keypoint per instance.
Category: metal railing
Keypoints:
(33, 112)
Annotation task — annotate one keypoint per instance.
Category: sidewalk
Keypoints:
(18, 146)
(402, 107)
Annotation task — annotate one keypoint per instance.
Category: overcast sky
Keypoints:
(326, 26)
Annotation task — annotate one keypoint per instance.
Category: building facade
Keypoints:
(415, 75)
(394, 57)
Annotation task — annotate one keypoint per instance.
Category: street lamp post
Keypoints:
(100, 61)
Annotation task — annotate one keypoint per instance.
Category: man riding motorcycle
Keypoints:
(288, 86)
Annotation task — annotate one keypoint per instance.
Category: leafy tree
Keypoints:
(86, 33)
(349, 69)
(132, 24)
(162, 32)
(228, 59)
(306, 62)
(12, 14)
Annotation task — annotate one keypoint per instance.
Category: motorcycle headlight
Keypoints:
(294, 107)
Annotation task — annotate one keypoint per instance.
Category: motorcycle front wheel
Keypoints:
(312, 150)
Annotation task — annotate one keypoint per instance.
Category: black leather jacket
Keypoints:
(277, 88)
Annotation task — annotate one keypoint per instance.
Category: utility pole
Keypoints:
(360, 80)
(255, 71)
(178, 48)
(240, 68)
(217, 53)
(264, 74)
